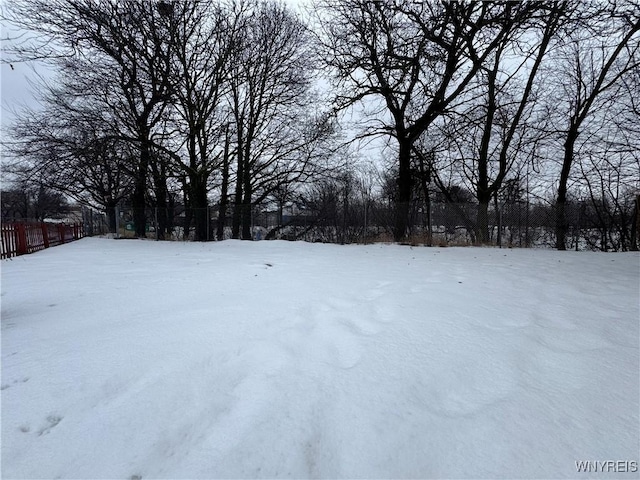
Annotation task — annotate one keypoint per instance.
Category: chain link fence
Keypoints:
(94, 222)
(517, 224)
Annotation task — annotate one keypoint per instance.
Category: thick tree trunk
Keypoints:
(236, 220)
(237, 208)
(222, 216)
(246, 212)
(561, 200)
(188, 211)
(199, 206)
(483, 192)
(161, 215)
(405, 182)
(424, 183)
(110, 209)
(561, 222)
(224, 197)
(138, 204)
(160, 181)
(482, 221)
(138, 198)
(247, 190)
(171, 207)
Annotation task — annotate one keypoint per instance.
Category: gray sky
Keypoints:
(17, 85)
(17, 79)
(15, 89)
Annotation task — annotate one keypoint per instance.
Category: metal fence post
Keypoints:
(577, 227)
(117, 221)
(82, 208)
(499, 222)
(430, 222)
(366, 205)
(527, 240)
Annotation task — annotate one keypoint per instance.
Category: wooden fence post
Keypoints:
(21, 239)
(61, 233)
(45, 234)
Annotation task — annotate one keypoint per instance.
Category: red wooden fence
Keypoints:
(22, 238)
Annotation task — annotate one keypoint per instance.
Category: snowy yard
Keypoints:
(138, 359)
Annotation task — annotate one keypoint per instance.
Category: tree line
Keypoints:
(153, 98)
(245, 102)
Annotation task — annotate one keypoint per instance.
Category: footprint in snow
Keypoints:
(6, 385)
(335, 345)
(53, 421)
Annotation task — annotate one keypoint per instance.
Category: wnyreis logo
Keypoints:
(608, 466)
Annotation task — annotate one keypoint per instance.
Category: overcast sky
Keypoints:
(16, 85)
(16, 89)
(16, 79)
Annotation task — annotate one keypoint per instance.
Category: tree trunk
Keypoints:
(237, 214)
(483, 192)
(188, 211)
(110, 209)
(561, 227)
(482, 221)
(405, 182)
(160, 181)
(171, 205)
(496, 205)
(199, 206)
(424, 180)
(246, 212)
(224, 197)
(237, 210)
(222, 216)
(138, 198)
(247, 187)
(138, 204)
(634, 225)
(561, 200)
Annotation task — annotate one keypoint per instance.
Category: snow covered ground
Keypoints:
(139, 359)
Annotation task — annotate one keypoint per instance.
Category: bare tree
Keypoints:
(30, 199)
(269, 92)
(607, 165)
(122, 45)
(416, 58)
(69, 144)
(593, 62)
(495, 130)
(206, 44)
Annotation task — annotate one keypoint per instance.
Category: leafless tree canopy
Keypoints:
(239, 104)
